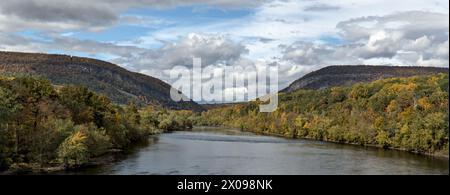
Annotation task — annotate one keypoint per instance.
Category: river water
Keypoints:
(219, 151)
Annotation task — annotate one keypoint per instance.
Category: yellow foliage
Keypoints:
(392, 107)
(4, 78)
(404, 130)
(77, 139)
(398, 87)
(433, 81)
(407, 113)
(424, 103)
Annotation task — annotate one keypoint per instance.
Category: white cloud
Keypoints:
(418, 38)
(213, 49)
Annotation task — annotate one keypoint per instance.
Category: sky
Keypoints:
(300, 36)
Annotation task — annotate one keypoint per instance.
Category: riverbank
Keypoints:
(440, 154)
(33, 169)
(112, 156)
(38, 169)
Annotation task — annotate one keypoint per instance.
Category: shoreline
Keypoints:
(117, 155)
(35, 169)
(114, 155)
(433, 155)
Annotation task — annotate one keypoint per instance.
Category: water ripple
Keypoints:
(228, 138)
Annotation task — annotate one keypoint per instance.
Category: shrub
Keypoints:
(74, 150)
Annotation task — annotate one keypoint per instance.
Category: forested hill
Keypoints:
(117, 83)
(333, 76)
(401, 113)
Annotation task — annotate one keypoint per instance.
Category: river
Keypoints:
(220, 151)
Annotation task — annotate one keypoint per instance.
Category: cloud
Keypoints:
(306, 53)
(142, 21)
(18, 43)
(210, 48)
(380, 45)
(57, 15)
(92, 47)
(266, 40)
(442, 50)
(318, 55)
(413, 24)
(57, 11)
(68, 45)
(321, 8)
(405, 38)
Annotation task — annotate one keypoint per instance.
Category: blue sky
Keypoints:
(300, 36)
(164, 18)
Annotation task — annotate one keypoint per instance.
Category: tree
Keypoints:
(41, 124)
(403, 113)
(78, 100)
(74, 150)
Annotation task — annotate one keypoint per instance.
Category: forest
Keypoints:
(66, 126)
(408, 114)
(43, 125)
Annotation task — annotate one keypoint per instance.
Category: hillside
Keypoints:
(408, 114)
(333, 76)
(51, 128)
(117, 83)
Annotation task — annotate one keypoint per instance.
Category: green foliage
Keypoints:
(98, 143)
(84, 105)
(149, 118)
(403, 113)
(70, 125)
(176, 121)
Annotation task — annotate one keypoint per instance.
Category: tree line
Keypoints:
(401, 113)
(42, 125)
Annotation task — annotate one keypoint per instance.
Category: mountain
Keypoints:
(119, 84)
(333, 76)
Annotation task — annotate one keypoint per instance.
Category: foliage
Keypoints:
(70, 125)
(74, 151)
(404, 113)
